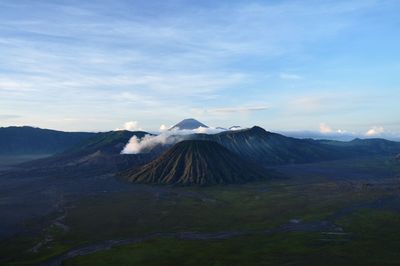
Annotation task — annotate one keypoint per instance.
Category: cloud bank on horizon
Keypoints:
(283, 65)
(326, 132)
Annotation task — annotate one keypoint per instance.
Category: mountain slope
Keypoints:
(111, 142)
(196, 162)
(258, 145)
(29, 140)
(188, 124)
(100, 154)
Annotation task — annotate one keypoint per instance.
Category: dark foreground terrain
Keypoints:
(344, 212)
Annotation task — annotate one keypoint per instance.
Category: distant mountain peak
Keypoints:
(257, 129)
(188, 124)
(253, 130)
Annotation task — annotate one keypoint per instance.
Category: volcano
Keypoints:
(188, 124)
(196, 162)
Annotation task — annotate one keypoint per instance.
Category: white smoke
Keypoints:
(148, 142)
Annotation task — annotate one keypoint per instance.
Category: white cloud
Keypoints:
(374, 131)
(164, 127)
(131, 126)
(186, 58)
(234, 128)
(324, 128)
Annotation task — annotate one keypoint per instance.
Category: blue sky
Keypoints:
(328, 66)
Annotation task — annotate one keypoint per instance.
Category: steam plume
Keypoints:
(148, 142)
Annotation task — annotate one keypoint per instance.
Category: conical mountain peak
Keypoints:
(188, 124)
(196, 162)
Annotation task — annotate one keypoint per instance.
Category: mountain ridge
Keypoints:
(257, 144)
(32, 140)
(100, 153)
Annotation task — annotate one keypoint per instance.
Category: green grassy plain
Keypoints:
(374, 240)
(370, 231)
